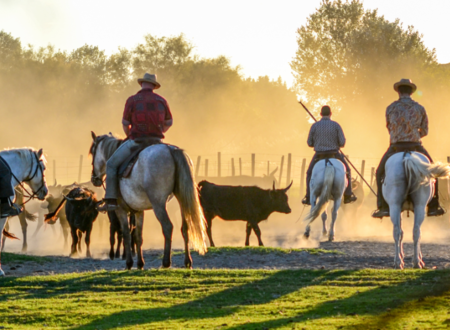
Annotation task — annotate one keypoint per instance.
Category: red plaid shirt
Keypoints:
(146, 112)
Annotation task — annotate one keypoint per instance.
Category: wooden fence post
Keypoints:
(197, 167)
(206, 168)
(240, 166)
(253, 164)
(219, 165)
(372, 176)
(232, 167)
(281, 170)
(288, 173)
(54, 171)
(302, 177)
(268, 167)
(448, 159)
(363, 165)
(81, 168)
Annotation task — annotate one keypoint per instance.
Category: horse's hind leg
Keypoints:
(167, 228)
(419, 216)
(123, 218)
(24, 225)
(308, 226)
(184, 232)
(137, 233)
(396, 218)
(334, 214)
(324, 223)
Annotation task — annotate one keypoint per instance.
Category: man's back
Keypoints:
(326, 135)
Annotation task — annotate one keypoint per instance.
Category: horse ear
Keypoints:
(39, 153)
(93, 135)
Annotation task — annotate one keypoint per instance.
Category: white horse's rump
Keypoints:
(328, 182)
(408, 186)
(27, 165)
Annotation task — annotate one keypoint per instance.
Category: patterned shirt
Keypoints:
(146, 112)
(326, 135)
(406, 120)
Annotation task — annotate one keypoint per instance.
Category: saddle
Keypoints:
(325, 155)
(127, 166)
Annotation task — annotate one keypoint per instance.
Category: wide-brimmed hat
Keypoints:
(150, 78)
(405, 82)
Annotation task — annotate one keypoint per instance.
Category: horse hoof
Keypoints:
(129, 265)
(330, 239)
(166, 264)
(140, 265)
(111, 256)
(324, 233)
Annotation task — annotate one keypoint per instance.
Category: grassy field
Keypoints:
(224, 299)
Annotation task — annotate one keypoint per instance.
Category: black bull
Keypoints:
(251, 204)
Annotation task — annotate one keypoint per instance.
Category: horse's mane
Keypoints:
(23, 152)
(110, 144)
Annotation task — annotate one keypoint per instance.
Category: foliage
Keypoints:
(224, 299)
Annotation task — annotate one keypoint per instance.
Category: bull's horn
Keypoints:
(287, 188)
(273, 185)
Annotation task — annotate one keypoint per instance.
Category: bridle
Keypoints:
(95, 179)
(30, 177)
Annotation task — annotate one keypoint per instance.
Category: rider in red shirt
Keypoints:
(146, 114)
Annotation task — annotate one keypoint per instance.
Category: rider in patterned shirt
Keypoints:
(326, 137)
(407, 123)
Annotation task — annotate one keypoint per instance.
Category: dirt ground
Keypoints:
(353, 255)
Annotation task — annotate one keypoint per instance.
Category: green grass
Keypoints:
(225, 299)
(255, 250)
(9, 258)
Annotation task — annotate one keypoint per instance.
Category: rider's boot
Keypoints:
(8, 210)
(434, 209)
(306, 200)
(350, 198)
(383, 207)
(108, 205)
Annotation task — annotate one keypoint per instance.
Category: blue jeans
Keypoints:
(112, 166)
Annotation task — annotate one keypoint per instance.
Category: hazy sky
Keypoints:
(260, 36)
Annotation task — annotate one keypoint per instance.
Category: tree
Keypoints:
(346, 53)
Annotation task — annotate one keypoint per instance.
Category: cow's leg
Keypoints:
(137, 234)
(2, 225)
(87, 240)
(419, 217)
(65, 229)
(324, 223)
(112, 233)
(247, 234)
(184, 232)
(209, 218)
(167, 228)
(80, 236)
(257, 231)
(73, 248)
(24, 225)
(334, 213)
(123, 218)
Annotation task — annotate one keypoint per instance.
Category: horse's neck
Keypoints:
(19, 168)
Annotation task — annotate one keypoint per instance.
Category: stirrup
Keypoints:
(10, 210)
(350, 199)
(435, 212)
(306, 201)
(107, 207)
(380, 213)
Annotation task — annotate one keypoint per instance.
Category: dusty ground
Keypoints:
(352, 255)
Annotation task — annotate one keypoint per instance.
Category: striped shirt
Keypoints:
(326, 135)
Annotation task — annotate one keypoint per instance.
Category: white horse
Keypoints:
(408, 187)
(160, 172)
(27, 165)
(328, 182)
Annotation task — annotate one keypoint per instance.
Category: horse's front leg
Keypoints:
(24, 225)
(184, 232)
(324, 223)
(167, 228)
(396, 218)
(419, 216)
(334, 214)
(137, 233)
(123, 219)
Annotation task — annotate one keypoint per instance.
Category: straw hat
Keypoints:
(405, 82)
(150, 78)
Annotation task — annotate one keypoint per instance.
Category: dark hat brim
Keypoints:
(154, 82)
(405, 83)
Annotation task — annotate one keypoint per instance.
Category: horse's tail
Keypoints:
(419, 172)
(9, 235)
(187, 194)
(325, 194)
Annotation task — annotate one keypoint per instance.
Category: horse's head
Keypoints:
(102, 148)
(36, 179)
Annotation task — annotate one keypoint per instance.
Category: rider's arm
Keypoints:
(168, 120)
(127, 113)
(166, 125)
(126, 129)
(341, 137)
(311, 137)
(423, 130)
